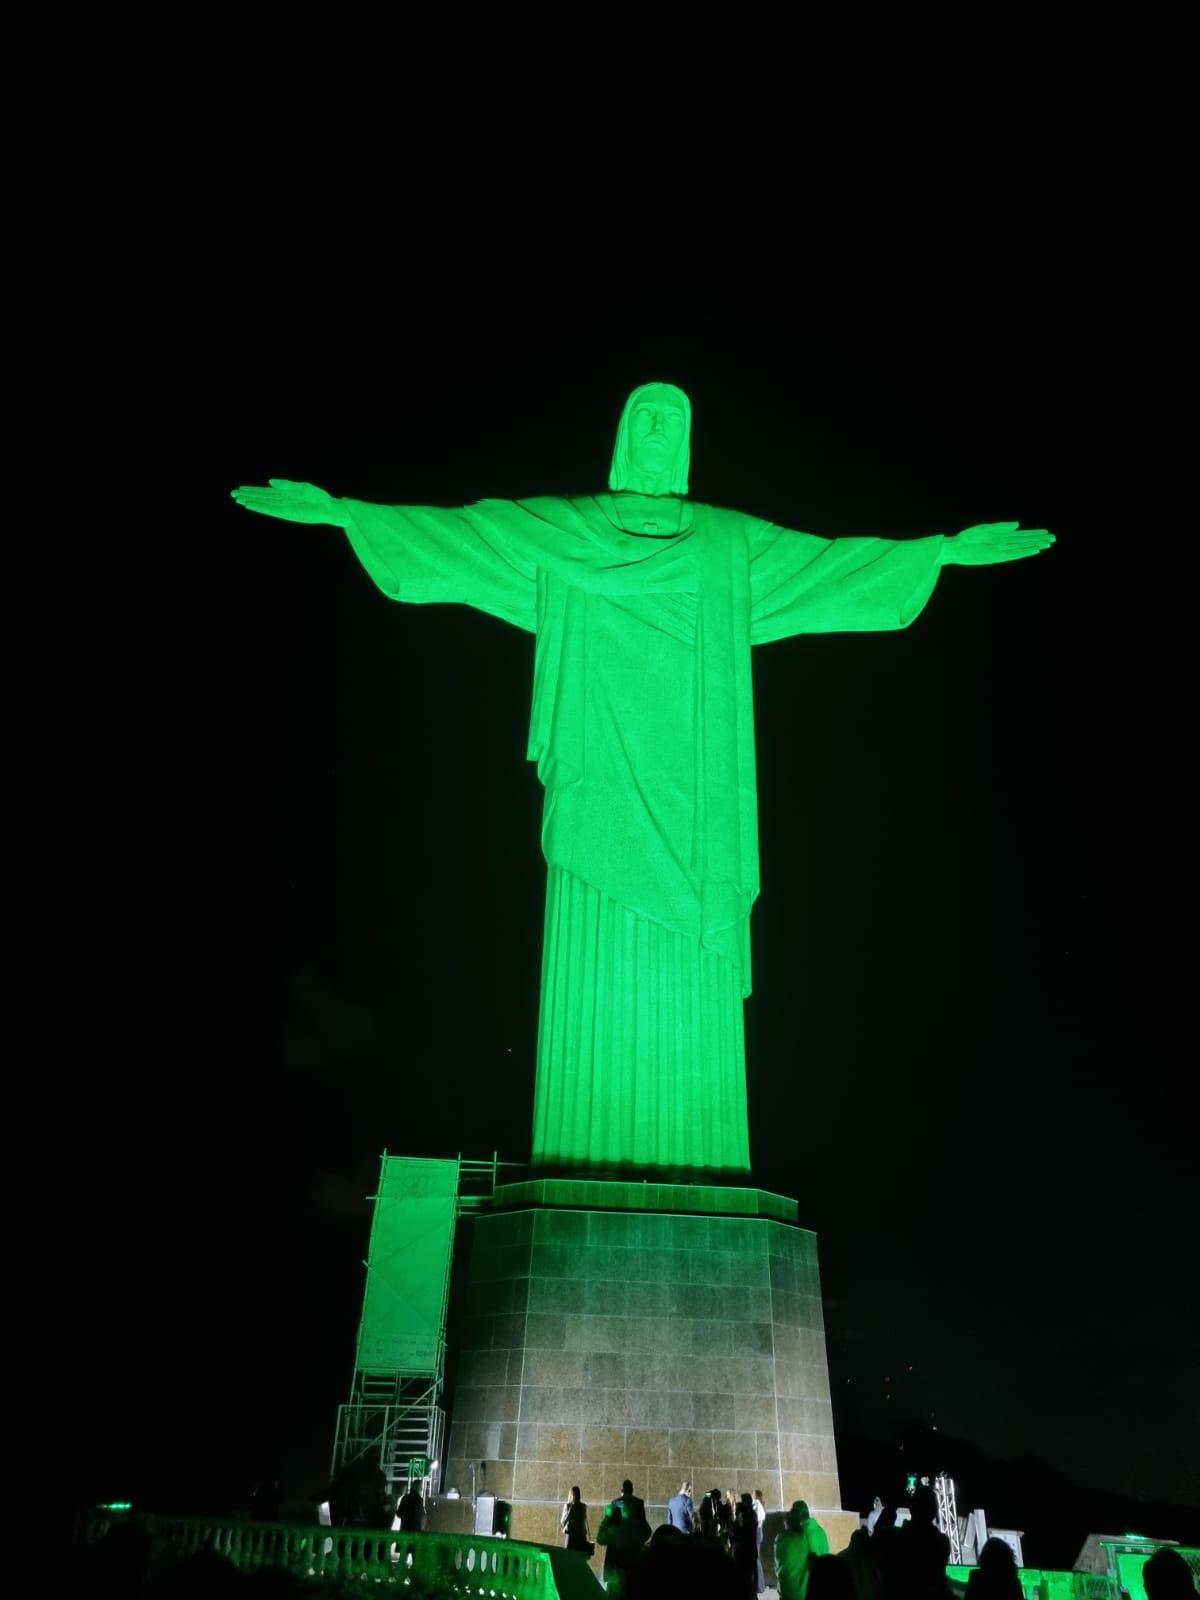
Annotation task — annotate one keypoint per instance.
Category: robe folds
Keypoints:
(642, 728)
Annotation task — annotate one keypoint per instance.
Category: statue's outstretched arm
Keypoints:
(459, 555)
(802, 584)
(294, 502)
(987, 543)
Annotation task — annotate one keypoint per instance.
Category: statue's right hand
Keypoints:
(294, 502)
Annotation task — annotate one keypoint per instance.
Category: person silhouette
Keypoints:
(864, 1571)
(574, 1523)
(921, 1552)
(743, 1545)
(995, 1578)
(633, 1506)
(710, 1508)
(411, 1511)
(1167, 1576)
(681, 1511)
(623, 1537)
(674, 1567)
(796, 1548)
(830, 1578)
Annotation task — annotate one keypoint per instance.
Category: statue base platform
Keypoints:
(650, 1331)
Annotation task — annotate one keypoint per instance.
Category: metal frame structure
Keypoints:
(947, 1510)
(397, 1416)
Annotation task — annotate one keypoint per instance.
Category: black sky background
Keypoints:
(285, 838)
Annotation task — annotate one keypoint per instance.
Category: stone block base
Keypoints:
(649, 1337)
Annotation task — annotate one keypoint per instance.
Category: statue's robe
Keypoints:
(643, 733)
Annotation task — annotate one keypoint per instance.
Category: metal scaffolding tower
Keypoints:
(394, 1416)
(947, 1515)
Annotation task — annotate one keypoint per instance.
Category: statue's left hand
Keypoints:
(985, 543)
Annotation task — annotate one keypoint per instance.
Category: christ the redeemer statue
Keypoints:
(644, 605)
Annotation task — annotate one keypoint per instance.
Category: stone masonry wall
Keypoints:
(601, 1345)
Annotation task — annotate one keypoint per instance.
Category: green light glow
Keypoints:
(644, 606)
(117, 1505)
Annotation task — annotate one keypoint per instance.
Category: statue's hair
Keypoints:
(618, 475)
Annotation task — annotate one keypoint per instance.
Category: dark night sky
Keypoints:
(288, 844)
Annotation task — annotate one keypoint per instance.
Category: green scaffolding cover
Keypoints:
(412, 1235)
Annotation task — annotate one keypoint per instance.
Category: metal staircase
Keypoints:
(394, 1420)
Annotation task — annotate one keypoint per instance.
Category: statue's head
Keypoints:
(653, 449)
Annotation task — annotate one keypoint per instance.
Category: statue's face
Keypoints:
(656, 427)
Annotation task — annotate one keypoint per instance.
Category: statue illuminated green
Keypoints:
(644, 605)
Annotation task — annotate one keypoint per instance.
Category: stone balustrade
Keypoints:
(502, 1569)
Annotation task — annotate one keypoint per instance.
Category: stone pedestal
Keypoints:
(646, 1331)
